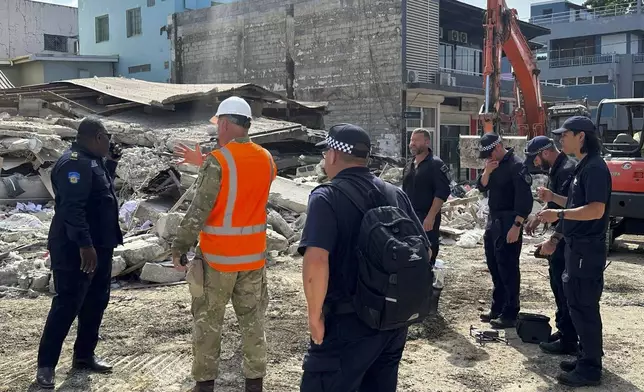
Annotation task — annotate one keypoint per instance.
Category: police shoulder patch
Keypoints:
(445, 168)
(527, 178)
(73, 177)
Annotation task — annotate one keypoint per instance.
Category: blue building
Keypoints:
(597, 53)
(135, 31)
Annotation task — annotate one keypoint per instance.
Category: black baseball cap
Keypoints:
(576, 124)
(538, 144)
(348, 138)
(487, 144)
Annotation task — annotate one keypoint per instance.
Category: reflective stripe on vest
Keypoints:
(231, 260)
(228, 228)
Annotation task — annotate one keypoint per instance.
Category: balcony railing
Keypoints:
(638, 58)
(584, 60)
(585, 14)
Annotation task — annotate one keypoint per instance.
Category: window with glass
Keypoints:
(460, 58)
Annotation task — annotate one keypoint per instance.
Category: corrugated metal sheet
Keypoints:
(5, 83)
(163, 94)
(422, 39)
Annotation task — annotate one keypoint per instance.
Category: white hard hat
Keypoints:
(233, 105)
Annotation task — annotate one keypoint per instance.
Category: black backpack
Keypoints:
(395, 275)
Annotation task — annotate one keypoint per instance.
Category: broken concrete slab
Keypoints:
(298, 224)
(137, 252)
(290, 195)
(37, 127)
(160, 273)
(21, 222)
(40, 280)
(275, 241)
(168, 224)
(279, 224)
(118, 265)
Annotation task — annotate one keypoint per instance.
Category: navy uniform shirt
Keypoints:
(86, 212)
(560, 177)
(591, 183)
(332, 223)
(423, 183)
(509, 187)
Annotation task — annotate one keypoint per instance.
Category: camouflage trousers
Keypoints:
(248, 291)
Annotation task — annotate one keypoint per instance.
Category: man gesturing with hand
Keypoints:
(82, 238)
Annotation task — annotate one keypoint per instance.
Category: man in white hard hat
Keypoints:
(228, 215)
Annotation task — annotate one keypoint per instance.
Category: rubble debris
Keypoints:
(168, 224)
(280, 225)
(471, 239)
(118, 265)
(21, 222)
(290, 195)
(139, 251)
(161, 273)
(275, 241)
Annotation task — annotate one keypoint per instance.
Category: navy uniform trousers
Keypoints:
(503, 262)
(77, 294)
(563, 321)
(353, 357)
(583, 283)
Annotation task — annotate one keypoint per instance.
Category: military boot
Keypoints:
(576, 379)
(488, 316)
(204, 386)
(254, 385)
(503, 323)
(559, 348)
(568, 366)
(46, 377)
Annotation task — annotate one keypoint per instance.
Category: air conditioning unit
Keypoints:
(440, 32)
(464, 37)
(454, 36)
(412, 76)
(444, 79)
(452, 81)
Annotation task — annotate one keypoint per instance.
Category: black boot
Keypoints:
(568, 366)
(46, 377)
(204, 386)
(576, 380)
(94, 364)
(559, 348)
(254, 385)
(488, 316)
(554, 337)
(503, 322)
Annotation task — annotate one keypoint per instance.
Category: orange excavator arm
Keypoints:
(503, 35)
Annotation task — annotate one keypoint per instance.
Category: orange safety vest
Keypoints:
(233, 238)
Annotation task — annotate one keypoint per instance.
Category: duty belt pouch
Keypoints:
(533, 328)
(194, 277)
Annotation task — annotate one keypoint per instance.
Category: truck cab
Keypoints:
(622, 150)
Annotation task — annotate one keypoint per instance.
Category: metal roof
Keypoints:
(164, 94)
(5, 83)
(623, 101)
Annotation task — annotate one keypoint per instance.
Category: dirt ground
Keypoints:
(146, 335)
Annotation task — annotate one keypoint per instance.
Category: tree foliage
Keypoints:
(604, 3)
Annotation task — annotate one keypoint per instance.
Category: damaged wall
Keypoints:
(343, 51)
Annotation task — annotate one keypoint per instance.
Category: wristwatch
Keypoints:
(518, 224)
(561, 214)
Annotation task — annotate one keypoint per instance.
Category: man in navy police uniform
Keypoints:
(426, 182)
(585, 222)
(345, 354)
(543, 152)
(82, 238)
(508, 183)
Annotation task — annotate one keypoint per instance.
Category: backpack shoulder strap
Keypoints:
(351, 192)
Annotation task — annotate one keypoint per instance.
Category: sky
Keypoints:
(522, 6)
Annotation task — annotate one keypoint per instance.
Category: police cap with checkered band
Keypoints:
(538, 144)
(487, 144)
(349, 139)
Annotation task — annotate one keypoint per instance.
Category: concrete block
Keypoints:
(168, 224)
(118, 265)
(279, 224)
(40, 280)
(52, 286)
(139, 251)
(469, 149)
(288, 194)
(159, 273)
(275, 241)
